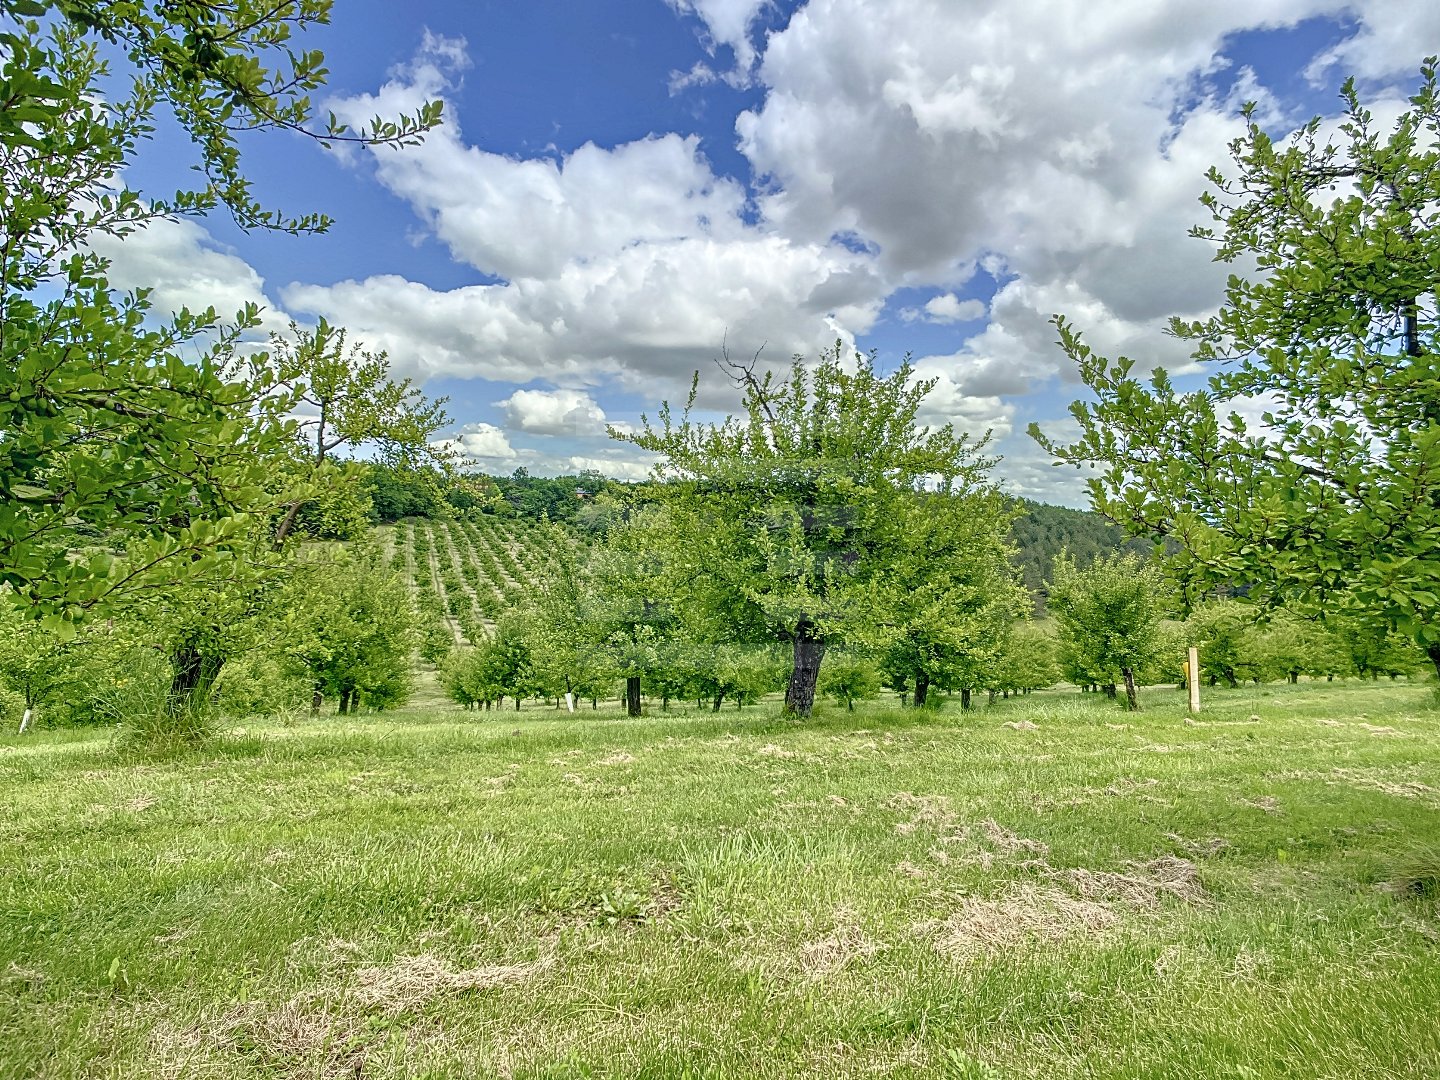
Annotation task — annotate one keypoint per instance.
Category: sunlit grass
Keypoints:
(890, 893)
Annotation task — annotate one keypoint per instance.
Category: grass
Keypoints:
(439, 894)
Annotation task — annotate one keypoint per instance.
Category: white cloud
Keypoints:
(1058, 143)
(182, 265)
(1390, 41)
(617, 466)
(554, 412)
(531, 218)
(1059, 146)
(620, 265)
(647, 313)
(483, 444)
(727, 22)
(948, 308)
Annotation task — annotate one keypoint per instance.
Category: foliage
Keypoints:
(348, 628)
(850, 677)
(260, 683)
(946, 600)
(1288, 646)
(1027, 660)
(498, 666)
(1040, 532)
(1167, 662)
(31, 661)
(552, 498)
(631, 599)
(1374, 649)
(1223, 632)
(1108, 616)
(352, 402)
(126, 466)
(1335, 499)
(567, 625)
(783, 517)
(739, 673)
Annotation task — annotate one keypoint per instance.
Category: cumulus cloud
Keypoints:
(523, 219)
(628, 265)
(482, 443)
(553, 412)
(619, 466)
(1062, 146)
(946, 308)
(1388, 42)
(644, 318)
(895, 144)
(184, 268)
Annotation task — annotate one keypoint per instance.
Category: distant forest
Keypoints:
(1043, 531)
(588, 501)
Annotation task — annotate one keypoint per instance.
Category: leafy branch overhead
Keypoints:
(222, 67)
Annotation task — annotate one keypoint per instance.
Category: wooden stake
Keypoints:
(1192, 678)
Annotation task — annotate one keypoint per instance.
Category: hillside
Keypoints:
(1043, 531)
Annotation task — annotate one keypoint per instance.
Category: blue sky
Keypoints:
(621, 187)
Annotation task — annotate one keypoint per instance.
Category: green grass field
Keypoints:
(442, 894)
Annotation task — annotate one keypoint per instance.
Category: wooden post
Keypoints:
(1192, 678)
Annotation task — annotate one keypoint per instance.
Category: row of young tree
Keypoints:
(339, 628)
(1108, 629)
(342, 630)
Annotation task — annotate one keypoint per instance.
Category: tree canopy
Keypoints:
(1108, 615)
(1331, 501)
(135, 447)
(789, 512)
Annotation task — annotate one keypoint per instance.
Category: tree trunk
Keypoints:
(715, 707)
(345, 701)
(809, 652)
(632, 695)
(1432, 651)
(922, 689)
(965, 697)
(1294, 677)
(287, 523)
(1132, 700)
(1109, 689)
(316, 700)
(192, 678)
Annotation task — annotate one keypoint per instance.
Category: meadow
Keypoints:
(1047, 887)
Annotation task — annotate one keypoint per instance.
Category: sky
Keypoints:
(623, 188)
